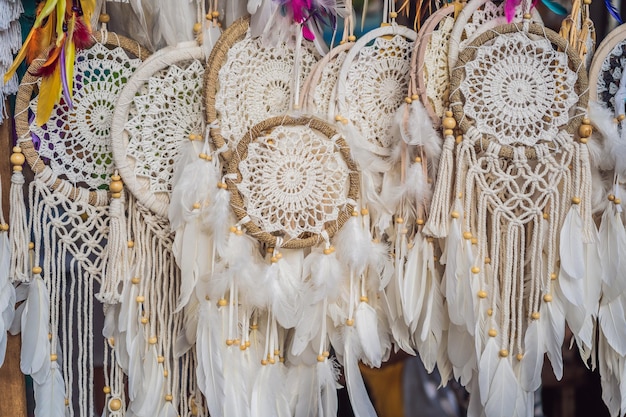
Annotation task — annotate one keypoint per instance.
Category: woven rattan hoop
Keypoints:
(235, 33)
(22, 125)
(313, 80)
(418, 81)
(241, 152)
(469, 53)
(610, 42)
(140, 187)
(461, 21)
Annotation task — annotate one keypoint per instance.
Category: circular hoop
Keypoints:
(610, 54)
(418, 81)
(248, 81)
(314, 80)
(142, 185)
(339, 104)
(461, 24)
(22, 124)
(241, 153)
(235, 33)
(469, 53)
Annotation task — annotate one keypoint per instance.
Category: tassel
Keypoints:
(19, 235)
(437, 223)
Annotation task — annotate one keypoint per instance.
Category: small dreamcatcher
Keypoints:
(512, 200)
(68, 218)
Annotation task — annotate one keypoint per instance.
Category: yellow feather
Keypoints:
(61, 5)
(88, 6)
(70, 54)
(49, 94)
(47, 9)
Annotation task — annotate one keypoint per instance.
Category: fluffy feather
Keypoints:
(50, 394)
(285, 277)
(603, 121)
(354, 245)
(218, 218)
(489, 361)
(35, 355)
(421, 132)
(327, 275)
(327, 380)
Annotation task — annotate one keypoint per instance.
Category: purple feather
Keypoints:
(613, 11)
(66, 88)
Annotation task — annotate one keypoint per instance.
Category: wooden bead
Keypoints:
(106, 390)
(31, 245)
(160, 359)
(519, 356)
(492, 332)
(585, 130)
(547, 298)
(53, 357)
(553, 276)
(467, 235)
(364, 299)
(535, 315)
(408, 100)
(321, 358)
(144, 320)
(490, 312)
(169, 397)
(222, 302)
(115, 404)
(4, 227)
(229, 342)
(393, 15)
(364, 212)
(617, 201)
(449, 122)
(575, 200)
(482, 294)
(116, 186)
(135, 280)
(611, 197)
(503, 353)
(152, 340)
(197, 28)
(104, 18)
(140, 299)
(131, 244)
(350, 322)
(527, 16)
(399, 220)
(475, 270)
(487, 261)
(455, 214)
(18, 158)
(36, 270)
(419, 222)
(351, 38)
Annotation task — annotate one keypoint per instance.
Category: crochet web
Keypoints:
(324, 90)
(168, 108)
(436, 73)
(610, 75)
(376, 85)
(293, 180)
(518, 90)
(255, 84)
(76, 141)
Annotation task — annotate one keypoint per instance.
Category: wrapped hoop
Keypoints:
(610, 55)
(100, 115)
(248, 81)
(145, 160)
(458, 100)
(324, 151)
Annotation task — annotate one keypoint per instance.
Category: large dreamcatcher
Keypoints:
(159, 122)
(68, 218)
(512, 200)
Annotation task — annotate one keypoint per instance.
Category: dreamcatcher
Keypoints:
(70, 154)
(479, 16)
(579, 31)
(606, 109)
(511, 199)
(158, 120)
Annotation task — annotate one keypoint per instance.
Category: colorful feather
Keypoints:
(49, 94)
(555, 7)
(509, 9)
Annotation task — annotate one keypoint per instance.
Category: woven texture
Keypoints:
(435, 66)
(324, 90)
(375, 85)
(101, 73)
(294, 180)
(610, 74)
(519, 90)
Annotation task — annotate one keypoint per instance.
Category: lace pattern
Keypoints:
(255, 84)
(518, 90)
(165, 112)
(436, 73)
(610, 75)
(325, 88)
(76, 140)
(376, 85)
(293, 180)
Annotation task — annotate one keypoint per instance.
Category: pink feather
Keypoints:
(509, 9)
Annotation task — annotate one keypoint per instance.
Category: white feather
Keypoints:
(327, 380)
(218, 218)
(168, 410)
(366, 323)
(612, 238)
(302, 381)
(361, 403)
(554, 333)
(612, 320)
(532, 361)
(603, 120)
(327, 275)
(149, 399)
(135, 365)
(236, 394)
(571, 245)
(309, 327)
(50, 394)
(353, 244)
(503, 393)
(422, 133)
(35, 354)
(285, 277)
(414, 282)
(209, 352)
(489, 361)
